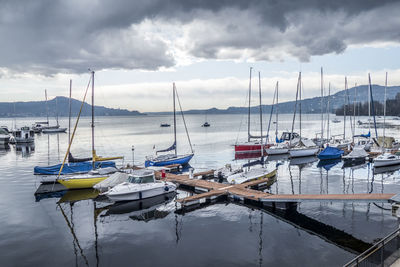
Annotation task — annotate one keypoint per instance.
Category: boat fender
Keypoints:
(166, 188)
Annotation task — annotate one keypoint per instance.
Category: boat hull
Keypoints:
(81, 183)
(4, 139)
(277, 151)
(239, 178)
(137, 195)
(303, 152)
(384, 163)
(250, 148)
(184, 160)
(54, 130)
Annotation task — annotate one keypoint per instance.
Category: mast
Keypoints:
(354, 111)
(300, 87)
(372, 103)
(173, 93)
(329, 103)
(93, 151)
(322, 106)
(261, 126)
(57, 112)
(47, 107)
(69, 116)
(276, 119)
(384, 112)
(345, 107)
(369, 111)
(295, 109)
(248, 116)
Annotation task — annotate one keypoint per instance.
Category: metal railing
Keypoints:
(383, 253)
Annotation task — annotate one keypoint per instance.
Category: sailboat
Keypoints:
(386, 159)
(280, 146)
(206, 124)
(304, 147)
(95, 175)
(51, 129)
(254, 143)
(169, 159)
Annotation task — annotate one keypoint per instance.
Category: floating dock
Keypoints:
(210, 191)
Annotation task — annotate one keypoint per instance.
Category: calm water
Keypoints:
(57, 231)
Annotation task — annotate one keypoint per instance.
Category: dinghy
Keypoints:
(249, 175)
(140, 186)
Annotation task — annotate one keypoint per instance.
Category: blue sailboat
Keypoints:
(330, 153)
(172, 158)
(73, 167)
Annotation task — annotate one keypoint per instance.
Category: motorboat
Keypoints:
(386, 159)
(251, 174)
(23, 135)
(4, 137)
(227, 170)
(165, 125)
(304, 148)
(140, 185)
(206, 124)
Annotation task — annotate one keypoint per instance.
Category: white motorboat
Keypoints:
(4, 137)
(305, 148)
(249, 175)
(114, 179)
(23, 135)
(140, 186)
(386, 159)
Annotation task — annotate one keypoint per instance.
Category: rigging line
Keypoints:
(242, 118)
(183, 118)
(73, 133)
(270, 115)
(73, 234)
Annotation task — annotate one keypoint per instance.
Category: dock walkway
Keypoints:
(213, 190)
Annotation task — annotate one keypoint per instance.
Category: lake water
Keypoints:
(54, 230)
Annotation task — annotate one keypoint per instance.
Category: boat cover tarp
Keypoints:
(76, 167)
(307, 143)
(358, 152)
(168, 149)
(113, 180)
(278, 140)
(330, 153)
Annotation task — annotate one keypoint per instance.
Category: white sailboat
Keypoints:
(56, 128)
(280, 147)
(305, 147)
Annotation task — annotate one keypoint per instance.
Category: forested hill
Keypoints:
(310, 105)
(38, 109)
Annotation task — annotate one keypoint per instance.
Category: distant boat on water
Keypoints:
(165, 125)
(206, 124)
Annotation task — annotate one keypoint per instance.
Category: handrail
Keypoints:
(357, 260)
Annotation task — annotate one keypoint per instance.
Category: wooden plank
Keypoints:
(206, 195)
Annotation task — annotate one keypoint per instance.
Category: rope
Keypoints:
(73, 133)
(184, 122)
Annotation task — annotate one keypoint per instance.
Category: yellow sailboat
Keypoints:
(95, 176)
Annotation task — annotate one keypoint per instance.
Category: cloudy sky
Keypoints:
(139, 47)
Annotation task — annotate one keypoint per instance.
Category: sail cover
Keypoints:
(76, 167)
(168, 149)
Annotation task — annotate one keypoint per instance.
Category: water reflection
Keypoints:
(25, 149)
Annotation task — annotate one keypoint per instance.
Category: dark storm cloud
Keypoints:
(48, 36)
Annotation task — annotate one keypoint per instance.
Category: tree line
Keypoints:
(361, 109)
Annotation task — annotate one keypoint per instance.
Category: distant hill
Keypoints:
(38, 109)
(309, 105)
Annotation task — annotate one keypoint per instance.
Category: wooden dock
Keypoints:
(212, 190)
